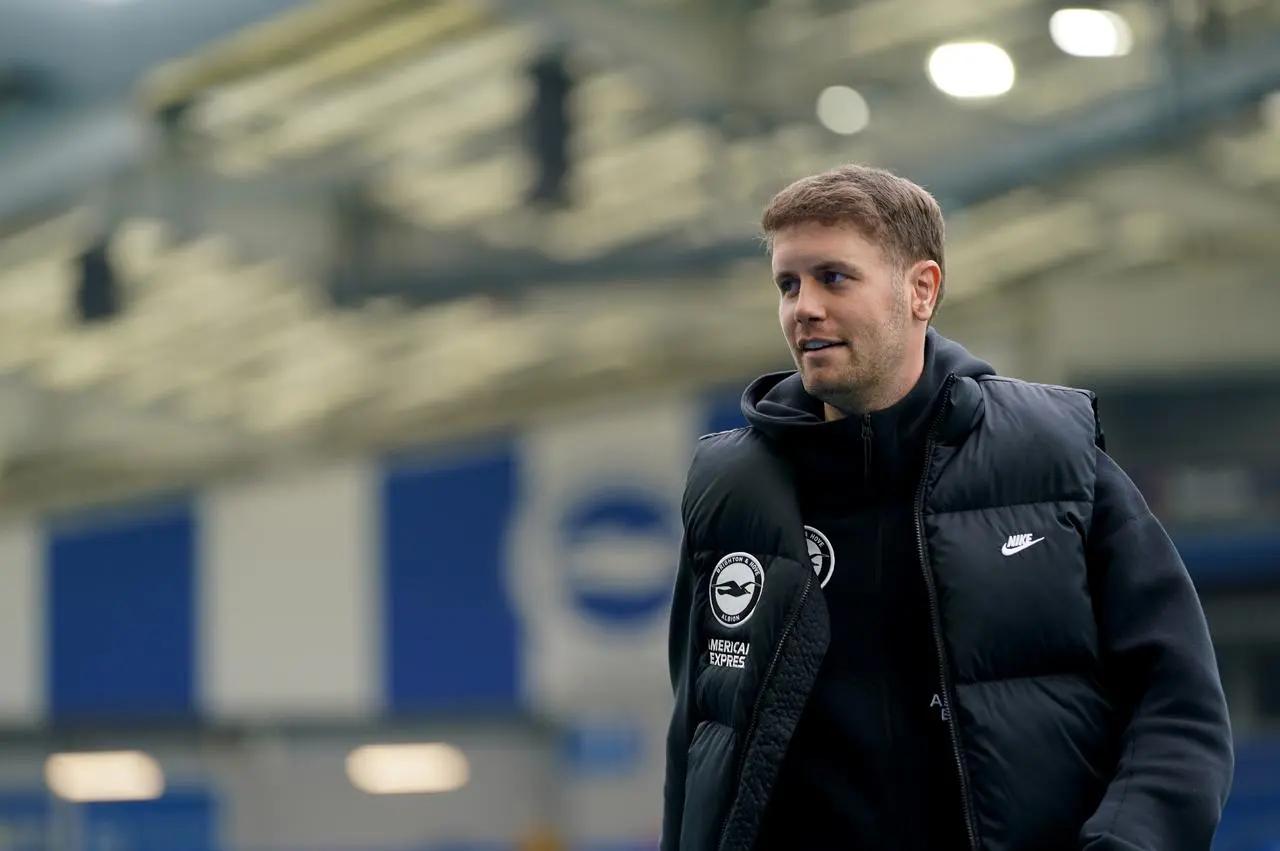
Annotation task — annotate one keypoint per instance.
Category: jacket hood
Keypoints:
(778, 405)
(777, 402)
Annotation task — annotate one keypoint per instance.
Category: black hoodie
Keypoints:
(868, 766)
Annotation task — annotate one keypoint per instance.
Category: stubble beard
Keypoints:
(868, 382)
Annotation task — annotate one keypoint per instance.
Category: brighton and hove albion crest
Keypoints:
(736, 583)
(821, 556)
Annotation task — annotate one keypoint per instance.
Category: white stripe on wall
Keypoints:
(22, 609)
(289, 604)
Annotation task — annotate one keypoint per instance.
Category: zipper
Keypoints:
(764, 686)
(953, 726)
(866, 447)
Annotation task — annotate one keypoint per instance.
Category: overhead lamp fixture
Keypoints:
(409, 769)
(843, 110)
(105, 776)
(969, 70)
(1090, 33)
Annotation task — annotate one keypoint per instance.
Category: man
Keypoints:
(918, 606)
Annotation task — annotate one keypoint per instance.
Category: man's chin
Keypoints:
(821, 387)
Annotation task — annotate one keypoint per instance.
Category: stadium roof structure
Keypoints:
(1094, 186)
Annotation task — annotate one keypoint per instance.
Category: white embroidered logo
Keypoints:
(736, 583)
(821, 555)
(1018, 543)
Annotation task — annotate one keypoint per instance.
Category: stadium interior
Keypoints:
(336, 334)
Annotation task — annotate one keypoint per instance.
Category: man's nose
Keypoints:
(810, 304)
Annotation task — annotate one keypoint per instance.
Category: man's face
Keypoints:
(846, 312)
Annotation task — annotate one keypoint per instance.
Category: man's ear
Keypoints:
(924, 282)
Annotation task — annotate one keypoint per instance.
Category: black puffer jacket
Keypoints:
(1083, 696)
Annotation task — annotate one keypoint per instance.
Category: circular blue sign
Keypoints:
(620, 548)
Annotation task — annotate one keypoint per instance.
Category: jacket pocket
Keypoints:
(708, 788)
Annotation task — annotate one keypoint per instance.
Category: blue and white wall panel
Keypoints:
(532, 571)
(22, 638)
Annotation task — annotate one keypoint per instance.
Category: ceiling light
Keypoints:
(843, 110)
(104, 776)
(413, 769)
(1090, 33)
(971, 69)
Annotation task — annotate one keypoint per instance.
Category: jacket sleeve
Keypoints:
(1176, 761)
(682, 658)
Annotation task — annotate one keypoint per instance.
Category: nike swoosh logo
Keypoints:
(1017, 548)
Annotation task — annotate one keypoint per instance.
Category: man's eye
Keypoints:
(831, 276)
(787, 285)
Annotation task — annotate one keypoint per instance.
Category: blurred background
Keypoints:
(352, 355)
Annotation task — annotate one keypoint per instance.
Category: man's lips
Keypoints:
(815, 346)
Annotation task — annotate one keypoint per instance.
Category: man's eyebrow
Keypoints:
(823, 265)
(834, 264)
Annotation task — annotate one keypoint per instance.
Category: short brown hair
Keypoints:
(901, 216)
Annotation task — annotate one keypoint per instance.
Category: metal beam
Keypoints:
(60, 153)
(72, 151)
(1175, 109)
(263, 42)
